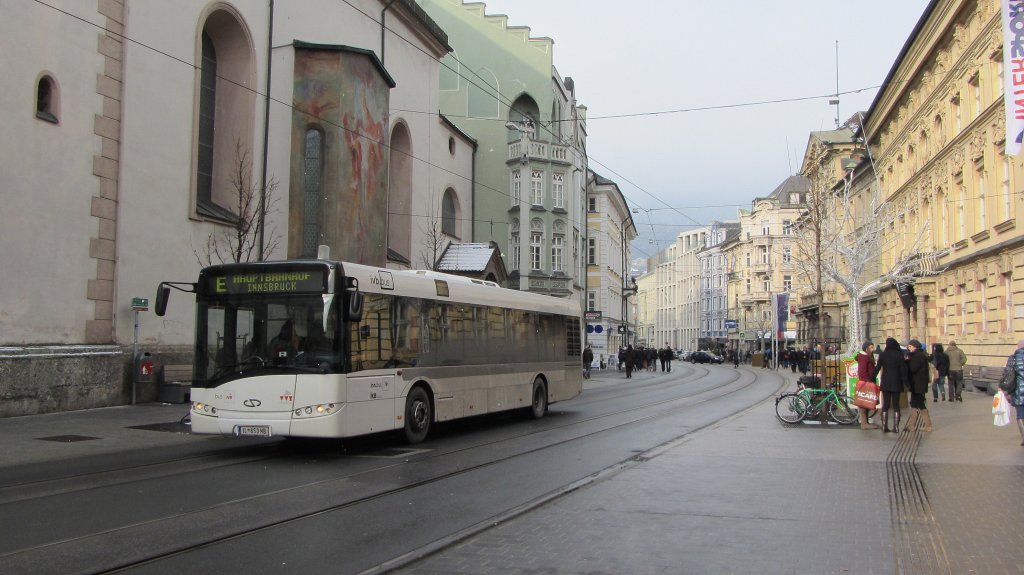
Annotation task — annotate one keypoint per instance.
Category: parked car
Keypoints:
(704, 357)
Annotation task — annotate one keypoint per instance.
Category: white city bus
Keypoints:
(319, 348)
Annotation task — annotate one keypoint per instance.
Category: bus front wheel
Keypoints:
(418, 415)
(540, 399)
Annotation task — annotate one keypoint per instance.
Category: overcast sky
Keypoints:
(662, 55)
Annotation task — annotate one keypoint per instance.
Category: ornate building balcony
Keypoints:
(755, 297)
(538, 150)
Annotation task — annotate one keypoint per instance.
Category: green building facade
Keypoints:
(499, 85)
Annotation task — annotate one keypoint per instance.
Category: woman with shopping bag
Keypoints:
(866, 395)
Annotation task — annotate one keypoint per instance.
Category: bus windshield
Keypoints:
(239, 335)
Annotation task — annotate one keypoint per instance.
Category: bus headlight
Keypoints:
(204, 409)
(318, 410)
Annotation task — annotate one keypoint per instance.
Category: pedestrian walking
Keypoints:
(941, 362)
(917, 370)
(1012, 384)
(865, 371)
(665, 355)
(629, 357)
(893, 369)
(588, 358)
(622, 358)
(957, 361)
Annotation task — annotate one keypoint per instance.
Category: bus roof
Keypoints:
(424, 284)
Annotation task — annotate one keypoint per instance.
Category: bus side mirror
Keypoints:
(354, 311)
(163, 291)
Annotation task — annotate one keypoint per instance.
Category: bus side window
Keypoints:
(496, 332)
(405, 335)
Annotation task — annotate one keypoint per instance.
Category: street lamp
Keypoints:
(525, 129)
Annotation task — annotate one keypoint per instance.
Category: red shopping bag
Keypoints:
(866, 395)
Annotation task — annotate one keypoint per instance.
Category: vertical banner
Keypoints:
(780, 302)
(1013, 73)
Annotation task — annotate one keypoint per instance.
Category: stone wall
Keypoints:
(45, 379)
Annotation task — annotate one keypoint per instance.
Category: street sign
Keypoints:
(622, 329)
(592, 316)
(732, 324)
(140, 304)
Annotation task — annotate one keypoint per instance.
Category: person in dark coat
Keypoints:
(1012, 384)
(629, 358)
(588, 358)
(893, 368)
(665, 355)
(941, 362)
(917, 369)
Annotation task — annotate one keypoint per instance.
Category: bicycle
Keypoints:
(794, 407)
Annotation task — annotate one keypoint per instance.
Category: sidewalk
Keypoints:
(750, 495)
(54, 437)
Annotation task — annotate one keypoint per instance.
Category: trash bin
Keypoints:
(144, 372)
(175, 384)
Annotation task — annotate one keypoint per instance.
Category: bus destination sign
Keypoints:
(267, 282)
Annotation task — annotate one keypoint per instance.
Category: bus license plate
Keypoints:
(253, 430)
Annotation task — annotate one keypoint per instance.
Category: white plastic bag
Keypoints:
(999, 410)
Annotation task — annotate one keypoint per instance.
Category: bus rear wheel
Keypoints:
(540, 399)
(418, 415)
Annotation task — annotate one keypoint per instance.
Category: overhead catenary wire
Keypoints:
(507, 104)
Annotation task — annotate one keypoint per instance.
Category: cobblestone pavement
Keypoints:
(752, 496)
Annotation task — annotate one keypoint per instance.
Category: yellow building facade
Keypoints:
(936, 133)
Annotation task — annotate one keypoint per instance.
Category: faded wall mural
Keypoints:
(338, 192)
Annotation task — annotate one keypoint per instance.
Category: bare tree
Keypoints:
(862, 250)
(434, 241)
(813, 227)
(239, 242)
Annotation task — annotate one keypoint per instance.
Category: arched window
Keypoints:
(207, 111)
(524, 108)
(47, 100)
(400, 194)
(449, 213)
(225, 117)
(312, 185)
